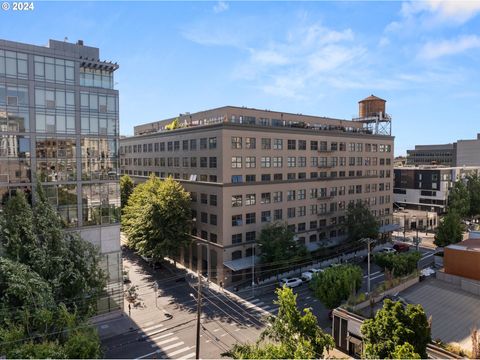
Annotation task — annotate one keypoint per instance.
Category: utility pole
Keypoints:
(368, 256)
(253, 270)
(199, 313)
(404, 226)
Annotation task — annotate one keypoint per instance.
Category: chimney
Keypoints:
(80, 42)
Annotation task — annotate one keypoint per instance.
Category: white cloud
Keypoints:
(219, 7)
(443, 10)
(433, 50)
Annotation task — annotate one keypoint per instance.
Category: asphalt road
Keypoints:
(163, 324)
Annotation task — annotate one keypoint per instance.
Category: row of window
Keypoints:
(314, 209)
(13, 64)
(204, 162)
(313, 175)
(239, 142)
(301, 161)
(96, 78)
(54, 70)
(186, 145)
(163, 174)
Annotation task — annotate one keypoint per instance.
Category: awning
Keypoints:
(241, 264)
(389, 228)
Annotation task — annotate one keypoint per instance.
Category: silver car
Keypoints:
(291, 282)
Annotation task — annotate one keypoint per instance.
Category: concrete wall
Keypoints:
(468, 152)
(471, 286)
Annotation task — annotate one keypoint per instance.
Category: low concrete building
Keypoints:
(463, 259)
(409, 219)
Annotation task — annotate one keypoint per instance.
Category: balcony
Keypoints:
(324, 197)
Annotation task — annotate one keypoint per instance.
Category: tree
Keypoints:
(126, 189)
(290, 334)
(278, 246)
(360, 222)
(473, 186)
(386, 335)
(50, 279)
(449, 231)
(336, 284)
(157, 218)
(398, 264)
(459, 199)
(405, 351)
(36, 236)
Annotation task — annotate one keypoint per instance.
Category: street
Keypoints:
(163, 322)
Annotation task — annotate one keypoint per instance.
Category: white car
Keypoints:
(307, 276)
(388, 250)
(291, 282)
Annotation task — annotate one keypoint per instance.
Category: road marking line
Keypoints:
(315, 300)
(188, 356)
(179, 351)
(254, 301)
(149, 323)
(273, 310)
(153, 333)
(149, 354)
(265, 307)
(159, 337)
(223, 335)
(308, 297)
(150, 328)
(375, 273)
(376, 277)
(217, 329)
(164, 341)
(237, 329)
(233, 324)
(207, 341)
(172, 346)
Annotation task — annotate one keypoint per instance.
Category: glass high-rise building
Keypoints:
(59, 123)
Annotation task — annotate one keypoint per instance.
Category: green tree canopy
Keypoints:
(449, 231)
(336, 284)
(459, 199)
(278, 246)
(398, 264)
(360, 222)
(394, 326)
(36, 236)
(473, 186)
(290, 335)
(157, 218)
(126, 189)
(50, 279)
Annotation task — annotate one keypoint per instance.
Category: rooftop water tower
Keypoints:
(371, 112)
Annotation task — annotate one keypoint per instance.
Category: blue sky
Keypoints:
(315, 58)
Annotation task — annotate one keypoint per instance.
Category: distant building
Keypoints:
(245, 168)
(444, 154)
(426, 188)
(460, 153)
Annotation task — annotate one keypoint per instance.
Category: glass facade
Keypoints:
(59, 123)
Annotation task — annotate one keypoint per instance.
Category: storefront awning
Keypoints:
(241, 264)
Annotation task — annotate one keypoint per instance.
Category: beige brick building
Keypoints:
(246, 167)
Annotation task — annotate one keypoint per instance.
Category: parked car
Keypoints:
(388, 250)
(401, 247)
(426, 273)
(315, 271)
(290, 282)
(306, 276)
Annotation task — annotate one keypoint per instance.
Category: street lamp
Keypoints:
(199, 314)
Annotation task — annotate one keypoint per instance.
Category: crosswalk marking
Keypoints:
(150, 328)
(265, 307)
(254, 301)
(173, 346)
(179, 351)
(164, 341)
(188, 356)
(159, 337)
(217, 329)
